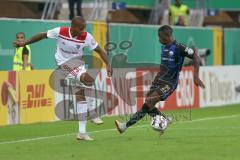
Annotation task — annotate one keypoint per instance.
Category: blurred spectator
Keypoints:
(71, 4)
(178, 14)
(22, 57)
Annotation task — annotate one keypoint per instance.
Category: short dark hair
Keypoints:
(20, 33)
(167, 30)
(77, 19)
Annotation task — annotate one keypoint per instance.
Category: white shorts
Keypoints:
(75, 73)
(72, 76)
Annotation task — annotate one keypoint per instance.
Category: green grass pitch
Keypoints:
(212, 134)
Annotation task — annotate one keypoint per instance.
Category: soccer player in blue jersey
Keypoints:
(166, 81)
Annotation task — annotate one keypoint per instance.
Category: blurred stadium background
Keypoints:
(206, 121)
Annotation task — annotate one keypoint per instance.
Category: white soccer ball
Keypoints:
(159, 123)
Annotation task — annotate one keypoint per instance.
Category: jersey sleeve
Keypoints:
(91, 42)
(186, 51)
(53, 33)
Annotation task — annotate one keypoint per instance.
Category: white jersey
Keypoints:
(69, 47)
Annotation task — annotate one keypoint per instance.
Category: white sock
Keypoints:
(82, 126)
(91, 101)
(82, 116)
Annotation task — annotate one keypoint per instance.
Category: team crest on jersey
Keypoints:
(171, 53)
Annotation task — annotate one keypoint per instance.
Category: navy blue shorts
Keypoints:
(162, 87)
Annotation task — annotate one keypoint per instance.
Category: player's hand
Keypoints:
(198, 82)
(109, 71)
(18, 44)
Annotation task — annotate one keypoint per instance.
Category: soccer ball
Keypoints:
(159, 123)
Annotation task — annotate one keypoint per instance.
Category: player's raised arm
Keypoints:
(196, 61)
(102, 53)
(33, 39)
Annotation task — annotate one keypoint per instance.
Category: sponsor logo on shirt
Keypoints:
(168, 59)
(93, 42)
(68, 52)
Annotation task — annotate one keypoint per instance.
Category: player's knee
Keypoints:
(86, 79)
(154, 98)
(150, 102)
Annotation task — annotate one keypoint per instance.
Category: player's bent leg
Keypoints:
(155, 97)
(88, 80)
(91, 101)
(122, 127)
(148, 107)
(152, 98)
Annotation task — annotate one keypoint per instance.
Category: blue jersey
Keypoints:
(172, 58)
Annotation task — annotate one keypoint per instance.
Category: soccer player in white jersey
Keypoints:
(70, 43)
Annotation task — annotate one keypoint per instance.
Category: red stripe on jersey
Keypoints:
(64, 31)
(70, 39)
(82, 37)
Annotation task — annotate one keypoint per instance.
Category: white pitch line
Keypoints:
(62, 135)
(214, 118)
(105, 130)
(35, 139)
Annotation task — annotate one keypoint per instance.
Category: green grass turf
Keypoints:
(212, 134)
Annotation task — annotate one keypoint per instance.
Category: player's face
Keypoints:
(78, 27)
(163, 38)
(20, 38)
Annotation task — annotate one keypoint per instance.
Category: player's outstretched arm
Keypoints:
(102, 53)
(196, 60)
(33, 39)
